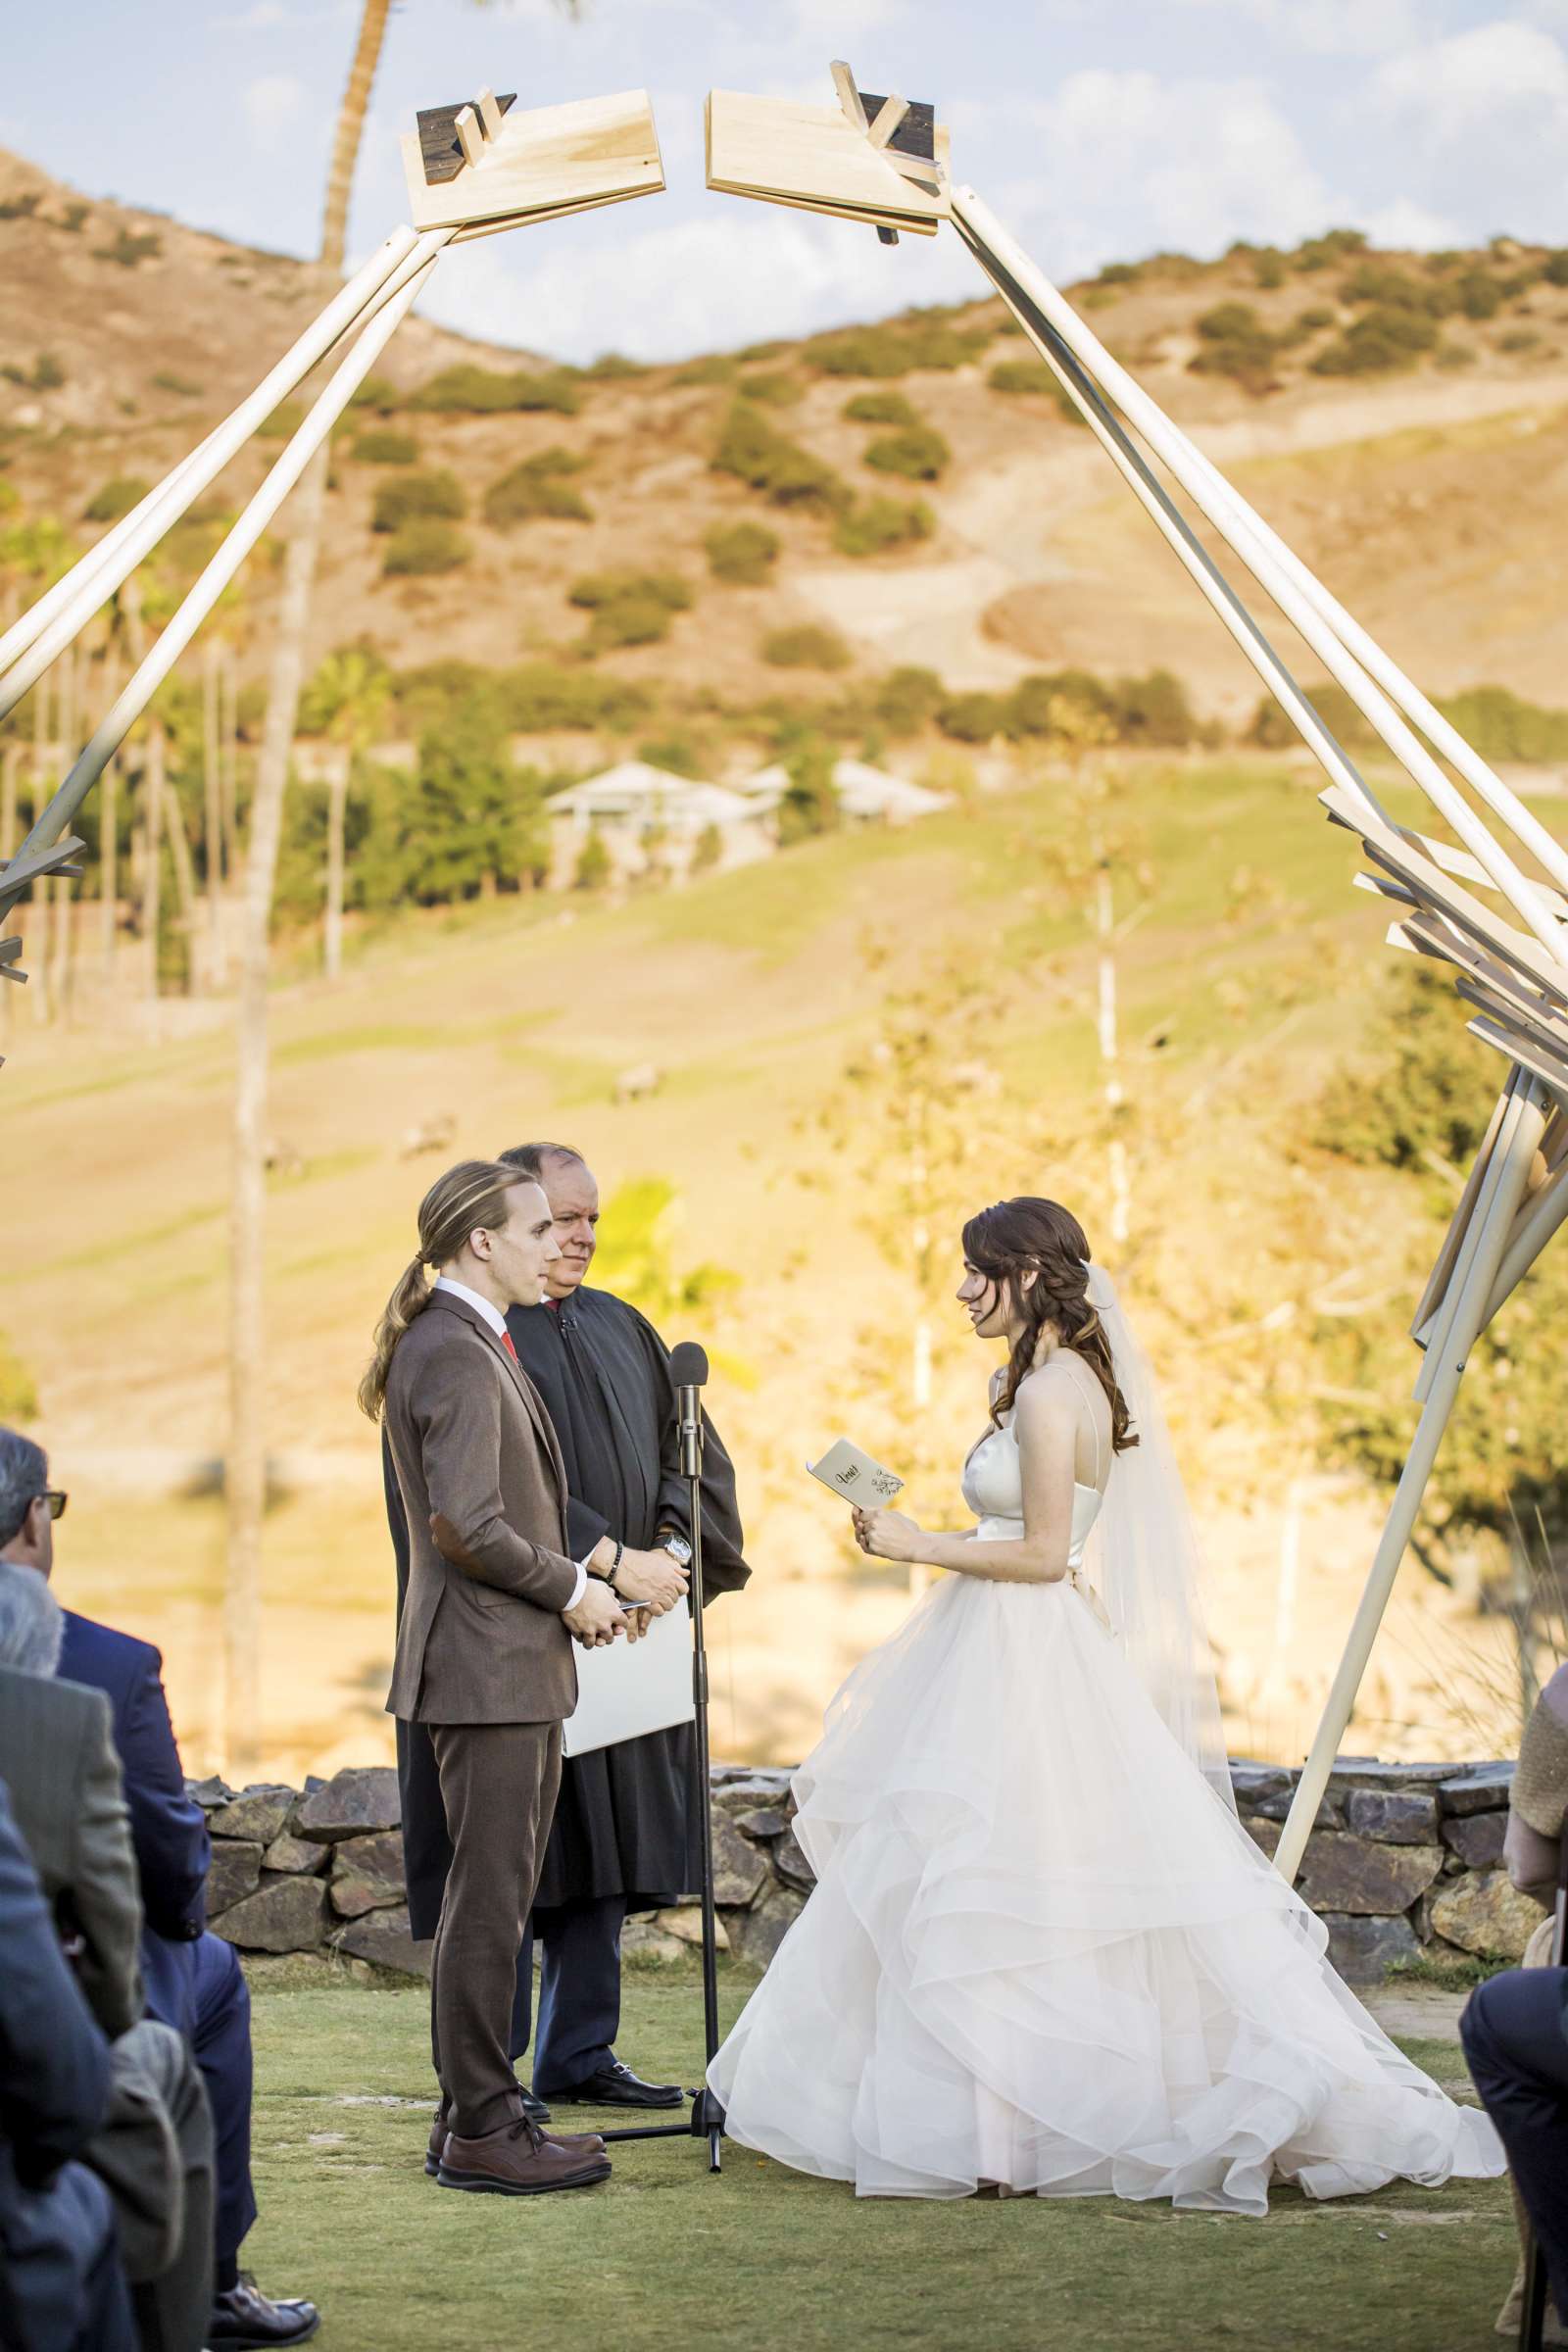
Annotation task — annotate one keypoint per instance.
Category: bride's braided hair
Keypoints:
(1015, 1238)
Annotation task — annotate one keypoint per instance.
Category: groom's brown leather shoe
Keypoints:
(519, 2161)
(441, 2129)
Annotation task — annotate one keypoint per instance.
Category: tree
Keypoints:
(811, 802)
(347, 700)
(245, 1476)
(1414, 1111)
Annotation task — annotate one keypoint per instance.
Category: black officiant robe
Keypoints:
(626, 1822)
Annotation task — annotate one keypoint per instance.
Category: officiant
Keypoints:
(627, 1828)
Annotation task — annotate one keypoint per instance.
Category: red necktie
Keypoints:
(505, 1342)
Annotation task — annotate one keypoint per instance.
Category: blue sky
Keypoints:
(1098, 129)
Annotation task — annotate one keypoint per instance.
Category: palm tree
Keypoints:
(348, 699)
(245, 1477)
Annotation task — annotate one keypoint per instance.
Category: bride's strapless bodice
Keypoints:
(993, 1488)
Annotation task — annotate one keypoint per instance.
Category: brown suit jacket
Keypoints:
(57, 1757)
(484, 1492)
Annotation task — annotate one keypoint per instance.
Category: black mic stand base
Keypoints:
(707, 2118)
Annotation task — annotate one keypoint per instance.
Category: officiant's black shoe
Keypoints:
(615, 2085)
(244, 2319)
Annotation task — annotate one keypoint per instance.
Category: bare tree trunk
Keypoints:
(213, 820)
(152, 899)
(229, 710)
(1110, 1053)
(337, 793)
(245, 1480)
(10, 755)
(185, 888)
(68, 729)
(38, 960)
(109, 847)
(350, 124)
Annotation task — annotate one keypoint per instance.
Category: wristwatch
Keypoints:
(675, 1544)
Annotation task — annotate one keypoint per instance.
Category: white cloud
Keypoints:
(273, 104)
(739, 273)
(1408, 226)
(1327, 27)
(1128, 162)
(1497, 77)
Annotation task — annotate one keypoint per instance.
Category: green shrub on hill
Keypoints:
(880, 523)
(415, 496)
(898, 347)
(283, 422)
(811, 802)
(1555, 272)
(629, 608)
(425, 544)
(115, 498)
(379, 447)
(919, 453)
(880, 408)
(714, 367)
(376, 392)
(130, 249)
(1151, 711)
(1017, 376)
(541, 485)
(1321, 253)
(805, 647)
(774, 387)
(1272, 730)
(1119, 274)
(613, 368)
(19, 1396)
(541, 697)
(1503, 725)
(1237, 344)
(1380, 341)
(761, 457)
(741, 552)
(908, 698)
(476, 391)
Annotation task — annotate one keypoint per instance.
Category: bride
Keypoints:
(1043, 1952)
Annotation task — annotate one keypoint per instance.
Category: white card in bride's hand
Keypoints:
(857, 1477)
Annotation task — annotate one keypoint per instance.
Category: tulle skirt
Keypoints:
(1043, 1954)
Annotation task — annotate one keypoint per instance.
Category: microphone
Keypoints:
(688, 1370)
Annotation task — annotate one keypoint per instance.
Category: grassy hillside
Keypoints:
(796, 1011)
(1403, 417)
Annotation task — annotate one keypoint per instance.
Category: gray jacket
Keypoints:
(57, 1758)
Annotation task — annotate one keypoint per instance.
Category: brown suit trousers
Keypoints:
(484, 1661)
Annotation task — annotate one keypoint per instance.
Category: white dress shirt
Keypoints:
(498, 1324)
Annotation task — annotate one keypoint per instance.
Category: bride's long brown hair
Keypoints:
(1026, 1235)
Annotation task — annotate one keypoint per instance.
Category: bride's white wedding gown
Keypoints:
(1043, 1952)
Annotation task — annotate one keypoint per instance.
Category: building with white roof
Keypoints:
(641, 812)
(866, 794)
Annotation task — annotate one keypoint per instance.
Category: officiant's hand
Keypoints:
(597, 1619)
(651, 1580)
(887, 1534)
(637, 1622)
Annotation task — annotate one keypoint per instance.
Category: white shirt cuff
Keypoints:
(579, 1588)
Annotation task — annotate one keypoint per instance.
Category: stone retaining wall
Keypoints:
(1405, 1860)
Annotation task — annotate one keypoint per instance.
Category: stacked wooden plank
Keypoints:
(513, 168)
(831, 159)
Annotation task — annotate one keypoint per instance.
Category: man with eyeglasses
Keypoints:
(193, 1980)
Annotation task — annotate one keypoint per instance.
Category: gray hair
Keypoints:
(33, 1623)
(23, 1473)
(532, 1158)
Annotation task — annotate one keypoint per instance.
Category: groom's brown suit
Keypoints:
(483, 1659)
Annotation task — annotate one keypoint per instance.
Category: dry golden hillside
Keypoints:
(1432, 496)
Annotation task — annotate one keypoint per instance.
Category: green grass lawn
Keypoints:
(760, 2259)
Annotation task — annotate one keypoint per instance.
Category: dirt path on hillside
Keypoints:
(1010, 518)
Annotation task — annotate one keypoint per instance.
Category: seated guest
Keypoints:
(1515, 2026)
(153, 2151)
(194, 1980)
(61, 2288)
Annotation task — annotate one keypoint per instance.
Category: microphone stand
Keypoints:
(706, 2119)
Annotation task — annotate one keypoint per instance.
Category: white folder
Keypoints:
(633, 1686)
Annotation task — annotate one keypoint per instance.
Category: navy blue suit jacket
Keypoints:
(168, 1828)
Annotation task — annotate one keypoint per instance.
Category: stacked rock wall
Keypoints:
(1405, 1861)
